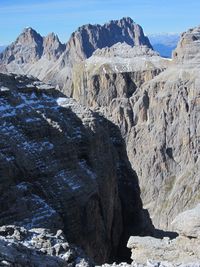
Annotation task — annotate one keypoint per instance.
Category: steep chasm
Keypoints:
(155, 103)
(63, 166)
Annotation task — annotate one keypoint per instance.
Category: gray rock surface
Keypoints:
(38, 247)
(188, 48)
(156, 106)
(113, 74)
(64, 167)
(181, 250)
(187, 223)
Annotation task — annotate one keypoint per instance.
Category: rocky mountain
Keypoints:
(30, 47)
(89, 37)
(51, 61)
(164, 43)
(64, 167)
(68, 165)
(154, 102)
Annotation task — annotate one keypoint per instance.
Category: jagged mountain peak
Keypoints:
(52, 36)
(53, 48)
(123, 21)
(90, 37)
(29, 33)
(29, 29)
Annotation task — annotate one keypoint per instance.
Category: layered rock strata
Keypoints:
(64, 167)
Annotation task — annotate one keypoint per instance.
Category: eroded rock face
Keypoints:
(188, 49)
(38, 247)
(113, 74)
(156, 106)
(64, 167)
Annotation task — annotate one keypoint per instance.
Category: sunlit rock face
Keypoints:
(188, 48)
(155, 103)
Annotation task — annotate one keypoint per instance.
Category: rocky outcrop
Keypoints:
(180, 250)
(188, 48)
(38, 247)
(64, 167)
(187, 223)
(184, 249)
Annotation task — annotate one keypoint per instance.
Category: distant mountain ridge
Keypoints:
(164, 43)
(49, 60)
(2, 47)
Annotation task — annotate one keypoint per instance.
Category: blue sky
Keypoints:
(64, 17)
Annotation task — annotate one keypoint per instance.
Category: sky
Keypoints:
(64, 16)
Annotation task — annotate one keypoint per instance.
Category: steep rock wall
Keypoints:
(64, 167)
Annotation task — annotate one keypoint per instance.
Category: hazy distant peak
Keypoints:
(164, 43)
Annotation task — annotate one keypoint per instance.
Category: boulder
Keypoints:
(187, 223)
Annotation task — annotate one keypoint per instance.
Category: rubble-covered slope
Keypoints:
(38, 247)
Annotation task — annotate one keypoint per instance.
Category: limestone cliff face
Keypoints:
(64, 167)
(156, 105)
(107, 80)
